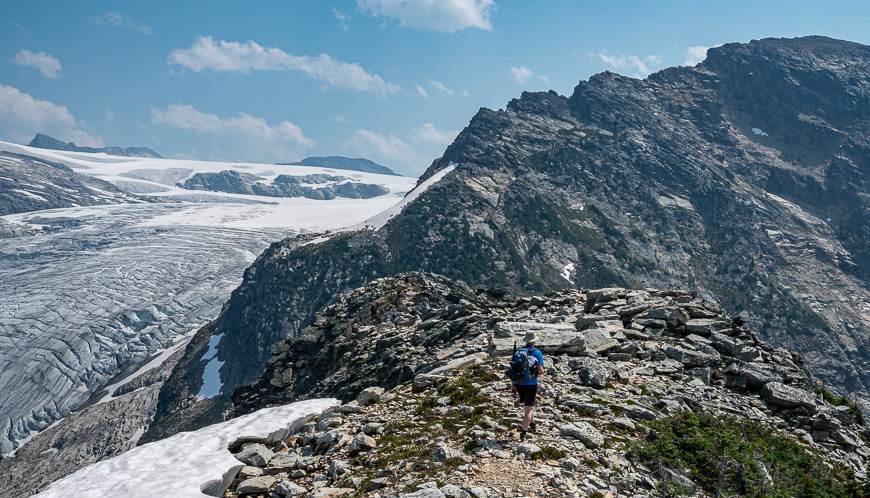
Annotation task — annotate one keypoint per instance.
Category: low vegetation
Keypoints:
(728, 457)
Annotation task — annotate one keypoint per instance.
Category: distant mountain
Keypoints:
(339, 162)
(46, 142)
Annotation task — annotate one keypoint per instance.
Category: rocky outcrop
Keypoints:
(316, 186)
(743, 178)
(455, 435)
(348, 163)
(46, 142)
(31, 184)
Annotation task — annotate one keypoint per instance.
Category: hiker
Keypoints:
(527, 364)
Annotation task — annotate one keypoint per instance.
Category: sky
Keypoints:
(390, 80)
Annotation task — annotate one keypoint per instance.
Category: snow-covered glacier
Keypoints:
(89, 294)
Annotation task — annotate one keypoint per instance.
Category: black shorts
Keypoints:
(527, 394)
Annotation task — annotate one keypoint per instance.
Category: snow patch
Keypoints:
(377, 221)
(211, 375)
(177, 466)
(567, 270)
(760, 132)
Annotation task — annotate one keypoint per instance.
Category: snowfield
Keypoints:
(101, 290)
(180, 465)
(158, 178)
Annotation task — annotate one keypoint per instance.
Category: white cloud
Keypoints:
(411, 155)
(697, 53)
(544, 79)
(422, 92)
(122, 21)
(47, 64)
(427, 133)
(465, 93)
(637, 66)
(435, 15)
(243, 136)
(22, 117)
(521, 74)
(342, 18)
(217, 55)
(340, 118)
(441, 87)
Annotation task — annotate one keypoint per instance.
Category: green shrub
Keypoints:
(701, 445)
(549, 453)
(835, 400)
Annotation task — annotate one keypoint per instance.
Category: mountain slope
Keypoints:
(30, 184)
(349, 163)
(46, 142)
(744, 178)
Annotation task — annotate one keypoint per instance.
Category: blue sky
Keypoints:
(392, 80)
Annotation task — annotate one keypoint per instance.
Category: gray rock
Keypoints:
(454, 491)
(284, 460)
(593, 373)
(337, 468)
(289, 488)
(528, 449)
(260, 484)
(370, 395)
(254, 454)
(598, 341)
(584, 432)
(706, 326)
(361, 443)
(424, 493)
(552, 337)
(779, 395)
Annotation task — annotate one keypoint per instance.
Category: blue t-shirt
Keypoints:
(532, 380)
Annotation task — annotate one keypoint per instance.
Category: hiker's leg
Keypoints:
(527, 417)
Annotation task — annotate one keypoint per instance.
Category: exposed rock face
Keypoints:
(657, 182)
(349, 163)
(31, 184)
(457, 436)
(317, 186)
(46, 142)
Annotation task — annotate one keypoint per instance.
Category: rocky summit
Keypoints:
(646, 392)
(743, 178)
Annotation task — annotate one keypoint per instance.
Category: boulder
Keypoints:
(691, 359)
(337, 468)
(254, 454)
(289, 488)
(592, 372)
(369, 396)
(528, 449)
(260, 484)
(442, 373)
(671, 315)
(327, 492)
(706, 326)
(454, 491)
(362, 443)
(598, 341)
(424, 493)
(284, 460)
(779, 395)
(552, 337)
(584, 432)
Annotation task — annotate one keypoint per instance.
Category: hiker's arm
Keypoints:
(540, 370)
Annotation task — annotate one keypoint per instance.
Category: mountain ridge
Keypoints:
(625, 182)
(341, 162)
(44, 141)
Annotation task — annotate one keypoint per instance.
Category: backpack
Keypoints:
(523, 365)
